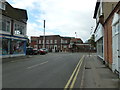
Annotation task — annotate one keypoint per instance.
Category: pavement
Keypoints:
(97, 75)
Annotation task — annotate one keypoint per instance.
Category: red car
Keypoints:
(43, 51)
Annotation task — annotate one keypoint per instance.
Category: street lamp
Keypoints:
(44, 36)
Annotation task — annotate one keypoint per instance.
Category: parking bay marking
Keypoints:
(74, 75)
(37, 65)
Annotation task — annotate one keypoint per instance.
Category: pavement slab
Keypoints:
(97, 75)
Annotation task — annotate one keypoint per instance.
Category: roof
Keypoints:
(15, 13)
(96, 8)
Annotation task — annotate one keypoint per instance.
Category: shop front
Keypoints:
(12, 46)
(99, 39)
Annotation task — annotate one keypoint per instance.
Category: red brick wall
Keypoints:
(108, 38)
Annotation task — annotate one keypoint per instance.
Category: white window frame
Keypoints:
(55, 41)
(20, 24)
(39, 41)
(51, 41)
(2, 5)
(47, 41)
(6, 19)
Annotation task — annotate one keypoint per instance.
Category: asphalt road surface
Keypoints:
(52, 70)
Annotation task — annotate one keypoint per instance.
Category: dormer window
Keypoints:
(2, 5)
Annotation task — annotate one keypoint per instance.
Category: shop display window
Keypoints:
(4, 46)
(18, 47)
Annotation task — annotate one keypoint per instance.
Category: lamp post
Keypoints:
(44, 36)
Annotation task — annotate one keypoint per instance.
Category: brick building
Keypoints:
(111, 38)
(52, 42)
(102, 11)
(107, 32)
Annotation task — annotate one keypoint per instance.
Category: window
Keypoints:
(2, 5)
(8, 26)
(51, 41)
(39, 41)
(19, 29)
(47, 41)
(5, 46)
(18, 47)
(65, 46)
(65, 41)
(5, 25)
(55, 41)
(61, 41)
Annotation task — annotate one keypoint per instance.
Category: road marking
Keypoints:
(37, 65)
(77, 67)
(74, 80)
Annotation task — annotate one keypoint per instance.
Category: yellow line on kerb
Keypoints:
(73, 82)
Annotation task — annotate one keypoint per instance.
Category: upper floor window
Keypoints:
(47, 41)
(51, 41)
(65, 41)
(19, 29)
(5, 25)
(55, 41)
(2, 5)
(39, 41)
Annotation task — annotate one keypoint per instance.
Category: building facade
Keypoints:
(101, 13)
(110, 29)
(13, 22)
(54, 43)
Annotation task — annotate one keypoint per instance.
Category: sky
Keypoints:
(63, 17)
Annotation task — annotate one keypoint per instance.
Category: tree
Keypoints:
(92, 41)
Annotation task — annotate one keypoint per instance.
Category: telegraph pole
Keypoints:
(44, 36)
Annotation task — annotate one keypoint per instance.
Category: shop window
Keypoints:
(18, 47)
(5, 46)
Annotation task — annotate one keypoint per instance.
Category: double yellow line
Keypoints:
(72, 80)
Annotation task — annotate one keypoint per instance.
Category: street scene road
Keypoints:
(52, 70)
(72, 47)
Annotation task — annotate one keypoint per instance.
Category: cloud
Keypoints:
(63, 17)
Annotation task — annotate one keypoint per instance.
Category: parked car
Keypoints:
(35, 51)
(43, 51)
(29, 51)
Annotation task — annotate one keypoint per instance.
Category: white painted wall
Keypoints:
(116, 42)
